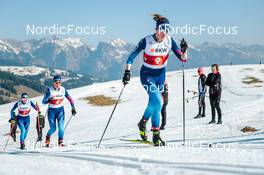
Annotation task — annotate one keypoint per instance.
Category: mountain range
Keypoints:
(107, 60)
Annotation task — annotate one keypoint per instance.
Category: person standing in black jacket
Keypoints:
(215, 89)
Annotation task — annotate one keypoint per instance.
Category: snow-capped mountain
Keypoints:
(107, 59)
(103, 61)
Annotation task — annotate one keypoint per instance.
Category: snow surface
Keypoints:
(234, 153)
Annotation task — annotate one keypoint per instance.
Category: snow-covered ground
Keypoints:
(231, 151)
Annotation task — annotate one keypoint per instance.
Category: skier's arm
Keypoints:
(141, 46)
(13, 111)
(46, 97)
(203, 79)
(200, 87)
(67, 95)
(208, 80)
(34, 106)
(177, 51)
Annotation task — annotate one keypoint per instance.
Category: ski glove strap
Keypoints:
(184, 57)
(126, 77)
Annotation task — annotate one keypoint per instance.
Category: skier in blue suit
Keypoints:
(156, 49)
(54, 96)
(22, 119)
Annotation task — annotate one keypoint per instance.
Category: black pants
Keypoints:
(165, 95)
(215, 105)
(201, 100)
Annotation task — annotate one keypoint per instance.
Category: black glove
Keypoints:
(126, 77)
(184, 45)
(73, 111)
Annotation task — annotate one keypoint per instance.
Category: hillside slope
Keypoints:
(231, 151)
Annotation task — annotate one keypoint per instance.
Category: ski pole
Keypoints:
(191, 98)
(68, 123)
(194, 92)
(11, 130)
(111, 116)
(183, 104)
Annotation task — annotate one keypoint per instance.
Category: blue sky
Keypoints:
(131, 20)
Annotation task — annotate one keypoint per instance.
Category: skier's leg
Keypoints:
(26, 124)
(52, 121)
(13, 129)
(60, 118)
(203, 105)
(219, 113)
(199, 107)
(40, 126)
(21, 126)
(212, 103)
(148, 111)
(156, 101)
(163, 117)
(52, 124)
(164, 107)
(155, 119)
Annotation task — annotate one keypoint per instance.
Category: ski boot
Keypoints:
(60, 143)
(47, 141)
(156, 138)
(22, 145)
(212, 121)
(219, 122)
(199, 114)
(142, 129)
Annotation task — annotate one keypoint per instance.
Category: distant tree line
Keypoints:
(9, 80)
